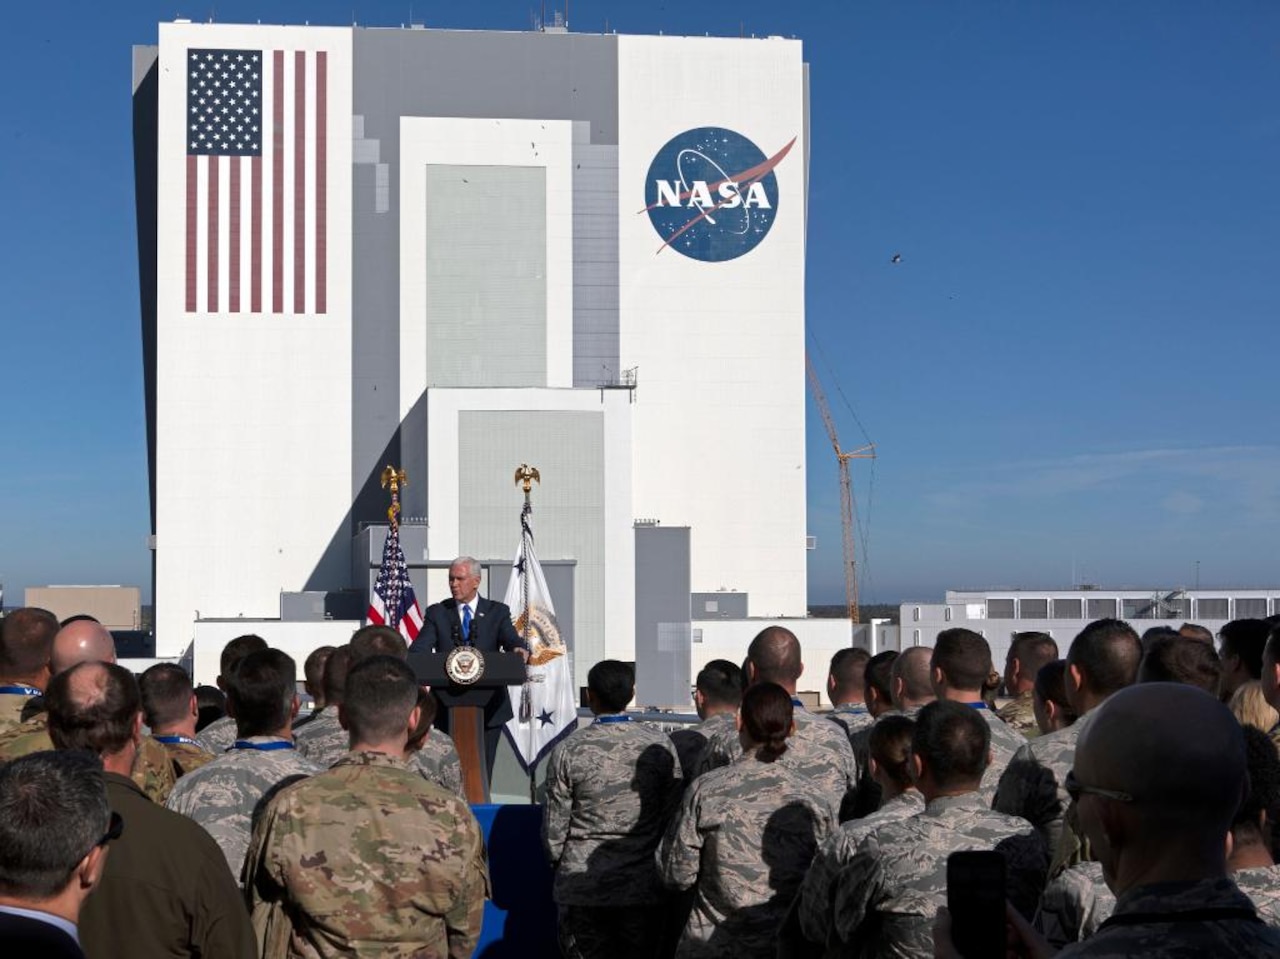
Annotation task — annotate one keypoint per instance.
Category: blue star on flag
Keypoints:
(545, 717)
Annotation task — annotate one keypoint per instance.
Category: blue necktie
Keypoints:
(466, 622)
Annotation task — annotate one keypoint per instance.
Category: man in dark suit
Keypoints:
(55, 825)
(467, 618)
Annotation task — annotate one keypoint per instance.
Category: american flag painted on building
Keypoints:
(257, 153)
(393, 602)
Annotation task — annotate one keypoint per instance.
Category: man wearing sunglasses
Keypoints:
(54, 831)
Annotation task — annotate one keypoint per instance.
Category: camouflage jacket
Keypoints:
(12, 699)
(690, 741)
(1074, 904)
(186, 755)
(852, 717)
(366, 859)
(218, 736)
(819, 751)
(1031, 786)
(223, 795)
(1146, 922)
(887, 896)
(438, 762)
(1262, 885)
(612, 788)
(324, 741)
(152, 769)
(1005, 743)
(816, 902)
(1020, 713)
(743, 838)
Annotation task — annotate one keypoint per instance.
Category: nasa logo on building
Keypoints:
(711, 194)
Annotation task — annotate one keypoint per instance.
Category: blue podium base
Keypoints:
(520, 919)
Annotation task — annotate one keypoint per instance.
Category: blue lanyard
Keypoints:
(20, 689)
(262, 747)
(172, 740)
(613, 719)
(978, 705)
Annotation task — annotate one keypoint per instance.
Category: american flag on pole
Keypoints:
(257, 155)
(393, 602)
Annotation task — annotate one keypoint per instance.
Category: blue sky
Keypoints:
(1069, 373)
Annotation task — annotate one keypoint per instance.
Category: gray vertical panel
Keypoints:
(436, 73)
(663, 627)
(595, 264)
(486, 276)
(567, 447)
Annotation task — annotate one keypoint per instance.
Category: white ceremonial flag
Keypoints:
(545, 708)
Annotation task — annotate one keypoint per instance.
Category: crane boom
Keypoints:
(846, 488)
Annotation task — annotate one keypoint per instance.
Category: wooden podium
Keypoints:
(466, 709)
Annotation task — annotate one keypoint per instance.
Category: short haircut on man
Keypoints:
(93, 706)
(1032, 650)
(261, 692)
(380, 694)
(335, 674)
(965, 658)
(53, 811)
(912, 667)
(720, 683)
(879, 674)
(26, 640)
(166, 694)
(890, 746)
(775, 654)
(953, 742)
(374, 640)
(313, 666)
(1180, 659)
(1196, 631)
(613, 683)
(1245, 639)
(1108, 652)
(238, 649)
(849, 668)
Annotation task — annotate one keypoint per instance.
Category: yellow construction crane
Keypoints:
(867, 452)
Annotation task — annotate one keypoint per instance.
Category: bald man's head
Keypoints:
(1183, 788)
(94, 706)
(913, 677)
(83, 641)
(775, 657)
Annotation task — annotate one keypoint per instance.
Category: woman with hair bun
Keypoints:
(744, 837)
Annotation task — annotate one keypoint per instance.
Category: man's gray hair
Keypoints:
(470, 562)
(53, 811)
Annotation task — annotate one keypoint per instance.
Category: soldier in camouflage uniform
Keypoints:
(886, 898)
(218, 736)
(846, 688)
(368, 859)
(743, 838)
(1028, 653)
(961, 667)
(890, 744)
(819, 751)
(910, 682)
(1103, 659)
(169, 706)
(26, 645)
(431, 751)
(223, 795)
(1074, 904)
(612, 787)
(716, 695)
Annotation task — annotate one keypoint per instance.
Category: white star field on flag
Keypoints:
(224, 103)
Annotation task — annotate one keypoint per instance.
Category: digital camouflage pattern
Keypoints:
(743, 838)
(438, 762)
(324, 741)
(1032, 784)
(218, 736)
(816, 902)
(186, 757)
(690, 741)
(1020, 714)
(1005, 743)
(819, 751)
(223, 795)
(152, 769)
(888, 895)
(1074, 904)
(611, 789)
(1262, 886)
(1160, 934)
(852, 717)
(366, 859)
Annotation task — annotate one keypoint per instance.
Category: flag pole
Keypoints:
(395, 479)
(526, 476)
